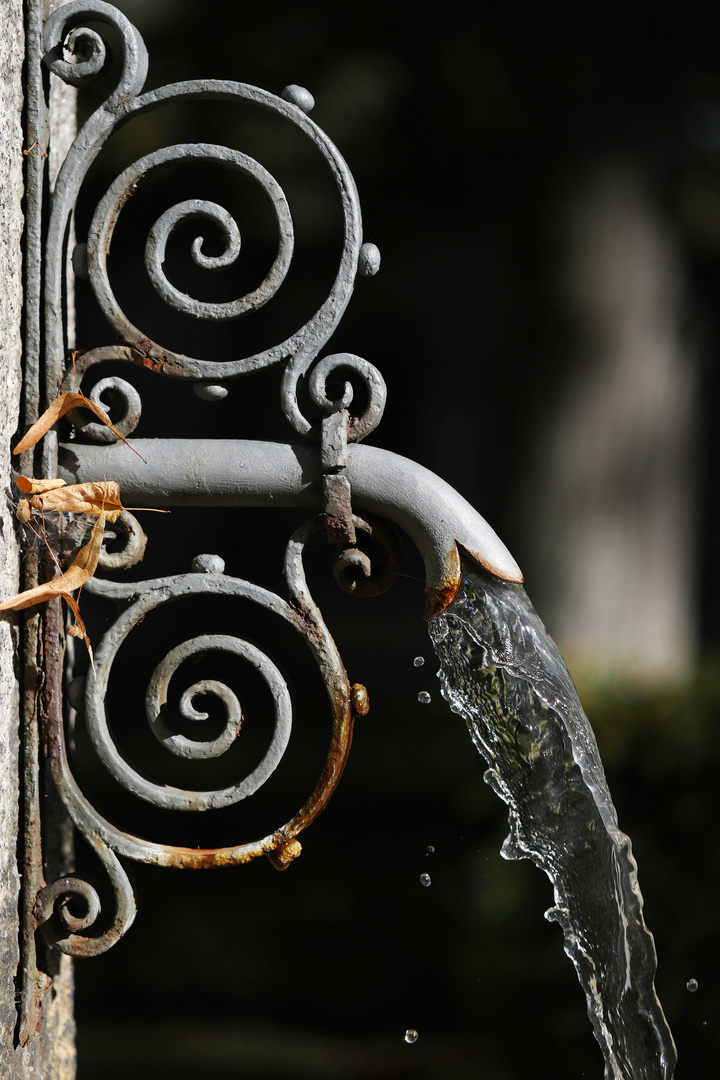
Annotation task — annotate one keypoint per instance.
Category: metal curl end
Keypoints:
(286, 853)
(357, 570)
(54, 899)
(63, 29)
(128, 531)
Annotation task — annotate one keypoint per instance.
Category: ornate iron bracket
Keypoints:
(323, 468)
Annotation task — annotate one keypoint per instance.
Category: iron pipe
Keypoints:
(234, 472)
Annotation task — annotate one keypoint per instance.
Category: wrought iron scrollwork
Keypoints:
(65, 32)
(66, 930)
(331, 403)
(68, 911)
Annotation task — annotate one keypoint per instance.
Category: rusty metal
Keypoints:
(357, 567)
(33, 983)
(336, 486)
(302, 614)
(324, 469)
(359, 699)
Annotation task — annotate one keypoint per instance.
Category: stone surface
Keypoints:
(51, 1054)
(11, 223)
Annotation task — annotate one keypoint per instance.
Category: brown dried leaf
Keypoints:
(78, 627)
(58, 408)
(31, 486)
(80, 570)
(94, 498)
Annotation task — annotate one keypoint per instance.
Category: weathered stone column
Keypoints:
(50, 1054)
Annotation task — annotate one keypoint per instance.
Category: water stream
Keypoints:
(503, 673)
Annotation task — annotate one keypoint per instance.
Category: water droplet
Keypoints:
(692, 985)
(425, 880)
(430, 850)
(455, 708)
(440, 629)
(419, 661)
(411, 1035)
(424, 698)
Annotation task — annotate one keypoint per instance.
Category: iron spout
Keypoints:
(235, 472)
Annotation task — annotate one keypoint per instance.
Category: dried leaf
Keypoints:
(100, 499)
(31, 486)
(78, 628)
(58, 408)
(80, 570)
(95, 497)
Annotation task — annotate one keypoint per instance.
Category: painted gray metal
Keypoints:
(221, 472)
(126, 102)
(322, 467)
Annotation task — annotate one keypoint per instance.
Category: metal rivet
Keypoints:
(208, 564)
(298, 95)
(369, 261)
(210, 391)
(359, 699)
(80, 261)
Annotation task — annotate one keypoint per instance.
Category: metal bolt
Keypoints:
(298, 95)
(208, 564)
(369, 261)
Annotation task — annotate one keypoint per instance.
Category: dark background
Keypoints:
(463, 125)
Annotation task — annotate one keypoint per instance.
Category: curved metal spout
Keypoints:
(224, 472)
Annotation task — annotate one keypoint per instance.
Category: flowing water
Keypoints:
(502, 672)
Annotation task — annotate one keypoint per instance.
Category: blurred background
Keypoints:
(543, 182)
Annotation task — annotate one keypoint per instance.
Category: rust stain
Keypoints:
(437, 599)
(49, 711)
(337, 531)
(144, 351)
(514, 579)
(153, 364)
(30, 1024)
(142, 348)
(338, 513)
(211, 858)
(122, 199)
(88, 946)
(439, 594)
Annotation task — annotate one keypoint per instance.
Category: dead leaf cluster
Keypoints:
(99, 499)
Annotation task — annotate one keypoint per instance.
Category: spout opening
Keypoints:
(440, 596)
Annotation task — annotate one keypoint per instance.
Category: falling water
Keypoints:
(502, 672)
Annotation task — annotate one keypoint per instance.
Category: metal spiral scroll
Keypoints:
(65, 28)
(156, 703)
(56, 908)
(106, 217)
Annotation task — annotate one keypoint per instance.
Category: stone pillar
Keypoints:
(50, 1054)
